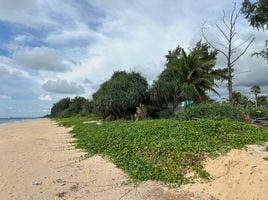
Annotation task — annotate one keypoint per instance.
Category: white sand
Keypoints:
(239, 175)
(41, 151)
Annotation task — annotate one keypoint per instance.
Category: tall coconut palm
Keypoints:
(187, 76)
(196, 76)
(240, 100)
(256, 89)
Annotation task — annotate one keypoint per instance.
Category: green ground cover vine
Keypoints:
(163, 150)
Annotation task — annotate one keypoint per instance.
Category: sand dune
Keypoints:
(38, 161)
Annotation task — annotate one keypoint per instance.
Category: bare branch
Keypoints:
(235, 19)
(245, 50)
(221, 45)
(242, 43)
(233, 34)
(242, 72)
(232, 22)
(226, 37)
(224, 21)
(232, 16)
(217, 49)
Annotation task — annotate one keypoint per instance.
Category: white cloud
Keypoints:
(41, 58)
(5, 97)
(4, 72)
(137, 36)
(34, 14)
(45, 98)
(78, 32)
(63, 87)
(10, 70)
(21, 38)
(14, 10)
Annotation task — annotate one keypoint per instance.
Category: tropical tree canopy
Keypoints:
(187, 75)
(255, 89)
(166, 88)
(197, 75)
(68, 107)
(257, 14)
(240, 100)
(262, 101)
(119, 96)
(77, 104)
(59, 108)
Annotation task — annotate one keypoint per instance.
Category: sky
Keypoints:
(51, 49)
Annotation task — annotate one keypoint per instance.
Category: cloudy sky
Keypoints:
(51, 49)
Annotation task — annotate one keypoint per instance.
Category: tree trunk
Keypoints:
(174, 102)
(229, 65)
(256, 102)
(230, 86)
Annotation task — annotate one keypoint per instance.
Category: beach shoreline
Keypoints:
(7, 121)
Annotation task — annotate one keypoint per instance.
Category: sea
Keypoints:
(12, 120)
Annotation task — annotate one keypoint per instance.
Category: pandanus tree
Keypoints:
(120, 95)
(256, 89)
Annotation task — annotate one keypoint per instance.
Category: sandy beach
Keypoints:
(38, 161)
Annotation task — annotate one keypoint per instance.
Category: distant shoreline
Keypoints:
(16, 119)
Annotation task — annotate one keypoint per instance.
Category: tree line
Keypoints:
(67, 107)
(186, 76)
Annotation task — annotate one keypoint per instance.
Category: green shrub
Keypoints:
(210, 111)
(256, 113)
(87, 109)
(166, 113)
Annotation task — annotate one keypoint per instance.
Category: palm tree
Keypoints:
(240, 100)
(255, 89)
(187, 76)
(262, 100)
(196, 76)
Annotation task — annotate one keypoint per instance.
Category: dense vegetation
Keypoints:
(211, 111)
(67, 107)
(119, 96)
(186, 76)
(164, 150)
(256, 13)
